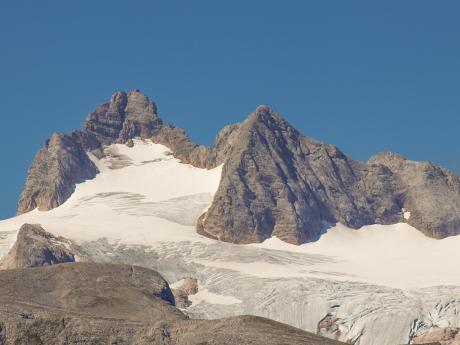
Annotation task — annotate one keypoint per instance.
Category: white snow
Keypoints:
(203, 295)
(397, 255)
(102, 207)
(406, 214)
(379, 277)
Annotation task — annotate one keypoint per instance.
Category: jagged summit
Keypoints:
(386, 158)
(265, 114)
(275, 181)
(126, 115)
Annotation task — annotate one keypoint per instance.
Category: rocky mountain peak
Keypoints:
(126, 115)
(275, 181)
(264, 115)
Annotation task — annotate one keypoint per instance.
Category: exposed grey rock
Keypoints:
(141, 118)
(199, 156)
(107, 120)
(430, 193)
(178, 142)
(276, 182)
(126, 116)
(55, 171)
(87, 303)
(35, 247)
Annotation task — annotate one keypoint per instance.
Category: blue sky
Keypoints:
(364, 75)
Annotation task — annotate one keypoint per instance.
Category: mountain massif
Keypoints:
(275, 181)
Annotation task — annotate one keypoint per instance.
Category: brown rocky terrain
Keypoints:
(89, 303)
(439, 336)
(189, 286)
(275, 181)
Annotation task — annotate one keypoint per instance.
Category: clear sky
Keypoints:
(364, 75)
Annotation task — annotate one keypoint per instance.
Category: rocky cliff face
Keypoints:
(275, 181)
(429, 193)
(55, 171)
(126, 116)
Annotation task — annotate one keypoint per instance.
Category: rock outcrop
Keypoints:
(34, 247)
(430, 193)
(88, 303)
(439, 336)
(275, 181)
(55, 171)
(186, 287)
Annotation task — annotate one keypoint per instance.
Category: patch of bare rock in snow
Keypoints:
(379, 285)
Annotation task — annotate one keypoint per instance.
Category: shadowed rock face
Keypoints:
(199, 156)
(275, 181)
(35, 247)
(88, 303)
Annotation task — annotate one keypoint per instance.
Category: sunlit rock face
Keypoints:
(35, 247)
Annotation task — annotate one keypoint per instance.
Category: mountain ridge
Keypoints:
(275, 181)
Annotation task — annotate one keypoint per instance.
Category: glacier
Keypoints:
(379, 285)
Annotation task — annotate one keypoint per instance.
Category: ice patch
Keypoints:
(204, 295)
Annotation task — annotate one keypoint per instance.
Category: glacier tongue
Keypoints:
(377, 285)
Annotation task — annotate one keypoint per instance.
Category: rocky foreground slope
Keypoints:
(275, 181)
(88, 303)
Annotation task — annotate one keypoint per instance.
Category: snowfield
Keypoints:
(379, 285)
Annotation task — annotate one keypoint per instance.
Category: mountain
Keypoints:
(275, 181)
(152, 198)
(141, 209)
